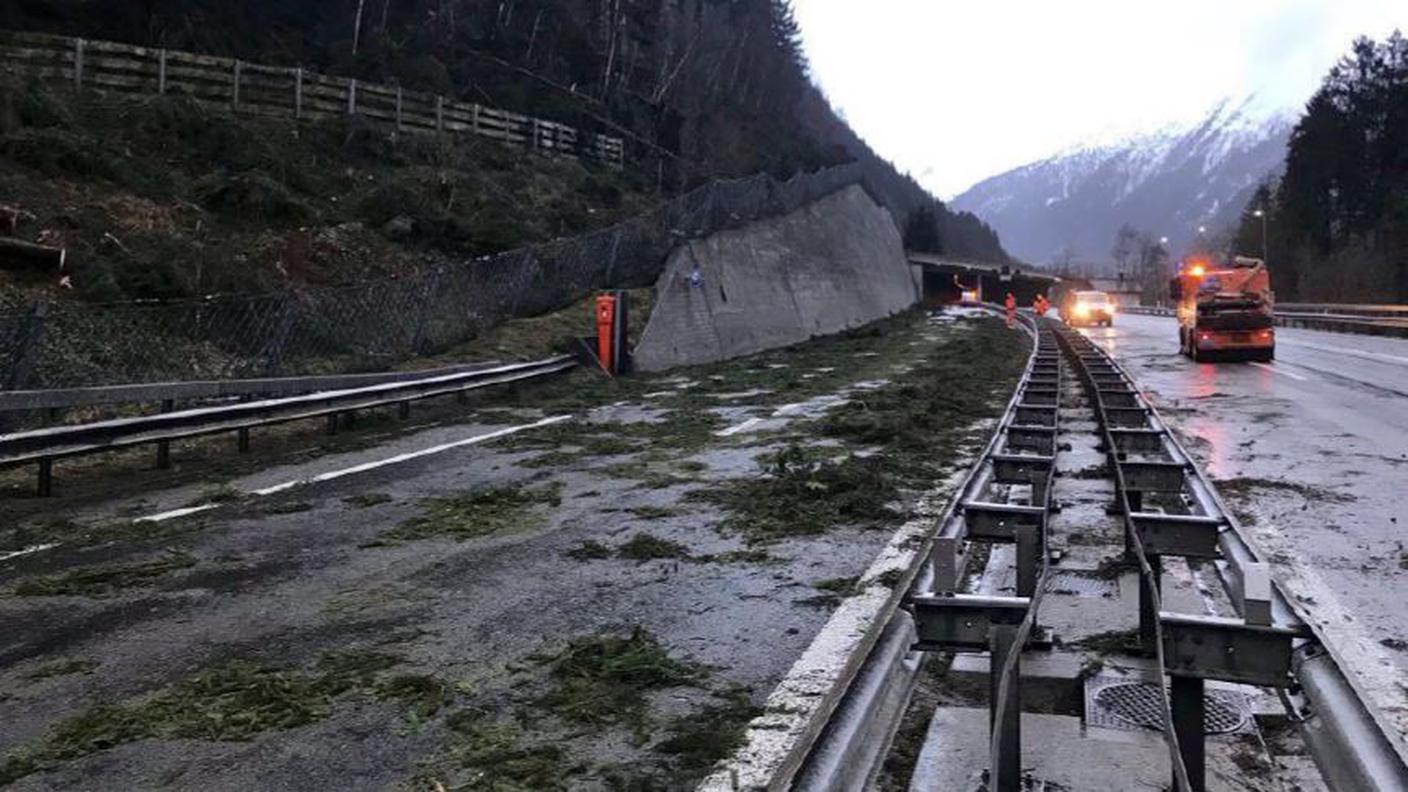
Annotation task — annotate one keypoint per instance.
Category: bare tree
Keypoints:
(357, 26)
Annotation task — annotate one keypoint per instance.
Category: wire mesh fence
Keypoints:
(374, 324)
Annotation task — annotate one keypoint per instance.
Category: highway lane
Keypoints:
(1312, 452)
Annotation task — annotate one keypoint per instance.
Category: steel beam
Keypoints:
(1040, 439)
(1126, 417)
(999, 522)
(963, 622)
(1187, 535)
(1215, 647)
(1152, 476)
(1035, 415)
(1129, 440)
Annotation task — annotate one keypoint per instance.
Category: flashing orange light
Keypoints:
(1197, 270)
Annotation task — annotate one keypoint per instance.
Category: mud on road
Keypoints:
(597, 604)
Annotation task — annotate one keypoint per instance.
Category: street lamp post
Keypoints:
(1262, 214)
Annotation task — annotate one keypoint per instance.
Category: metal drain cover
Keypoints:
(1121, 704)
(1081, 584)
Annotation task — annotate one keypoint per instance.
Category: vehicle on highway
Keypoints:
(1085, 308)
(1225, 312)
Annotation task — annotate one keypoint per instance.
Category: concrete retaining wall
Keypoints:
(830, 265)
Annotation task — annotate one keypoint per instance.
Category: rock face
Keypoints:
(833, 264)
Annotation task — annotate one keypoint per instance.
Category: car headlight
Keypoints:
(1082, 310)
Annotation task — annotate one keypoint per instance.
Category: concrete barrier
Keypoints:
(833, 264)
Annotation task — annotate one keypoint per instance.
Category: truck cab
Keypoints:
(1225, 312)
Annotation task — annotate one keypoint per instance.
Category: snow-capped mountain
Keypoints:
(1069, 206)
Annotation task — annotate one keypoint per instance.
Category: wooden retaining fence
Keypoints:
(286, 92)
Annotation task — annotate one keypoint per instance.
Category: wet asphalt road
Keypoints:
(1312, 452)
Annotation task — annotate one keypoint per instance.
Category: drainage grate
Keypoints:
(1116, 703)
(1081, 584)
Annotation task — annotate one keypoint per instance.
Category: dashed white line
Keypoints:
(26, 551)
(1281, 370)
(174, 513)
(739, 427)
(362, 468)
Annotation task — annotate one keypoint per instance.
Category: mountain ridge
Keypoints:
(1068, 206)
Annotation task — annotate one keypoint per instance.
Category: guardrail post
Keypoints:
(439, 114)
(235, 92)
(352, 96)
(1148, 616)
(46, 478)
(298, 93)
(1008, 769)
(163, 447)
(161, 72)
(1187, 702)
(244, 432)
(398, 108)
(1028, 559)
(474, 118)
(77, 63)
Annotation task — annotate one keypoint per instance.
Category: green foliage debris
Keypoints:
(104, 580)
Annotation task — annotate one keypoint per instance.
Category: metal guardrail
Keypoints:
(1270, 644)
(847, 750)
(1346, 309)
(1389, 320)
(1004, 498)
(43, 446)
(152, 392)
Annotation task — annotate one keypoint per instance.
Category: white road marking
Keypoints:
(1281, 370)
(174, 513)
(26, 551)
(362, 468)
(740, 427)
(410, 455)
(781, 412)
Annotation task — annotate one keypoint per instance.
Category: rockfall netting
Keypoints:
(375, 324)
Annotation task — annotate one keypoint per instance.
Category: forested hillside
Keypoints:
(700, 89)
(1337, 223)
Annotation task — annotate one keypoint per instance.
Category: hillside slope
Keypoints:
(701, 89)
(1068, 207)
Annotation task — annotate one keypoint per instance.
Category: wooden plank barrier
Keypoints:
(289, 92)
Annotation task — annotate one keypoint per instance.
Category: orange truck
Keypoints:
(1225, 312)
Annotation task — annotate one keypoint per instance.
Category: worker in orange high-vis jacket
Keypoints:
(1010, 303)
(1039, 305)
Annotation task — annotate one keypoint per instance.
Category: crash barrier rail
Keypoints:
(52, 401)
(372, 324)
(1345, 309)
(842, 744)
(1170, 508)
(1383, 320)
(286, 92)
(1008, 501)
(1005, 497)
(44, 446)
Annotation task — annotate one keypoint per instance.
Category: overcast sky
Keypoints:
(955, 91)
